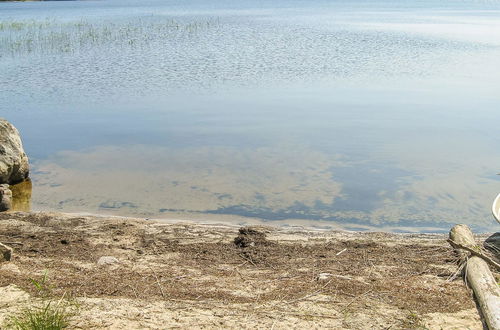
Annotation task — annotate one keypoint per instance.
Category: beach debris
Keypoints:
(339, 253)
(475, 253)
(5, 252)
(5, 198)
(107, 260)
(14, 166)
(477, 274)
(323, 276)
(327, 276)
(249, 237)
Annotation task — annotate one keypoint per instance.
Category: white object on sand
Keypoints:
(107, 260)
(496, 208)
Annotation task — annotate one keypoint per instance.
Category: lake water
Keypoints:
(336, 114)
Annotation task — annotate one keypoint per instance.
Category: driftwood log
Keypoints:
(478, 276)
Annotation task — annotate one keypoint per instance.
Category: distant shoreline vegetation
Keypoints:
(51, 36)
(32, 0)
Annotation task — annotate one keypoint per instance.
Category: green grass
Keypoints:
(50, 316)
(49, 313)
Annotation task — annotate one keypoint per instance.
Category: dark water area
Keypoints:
(350, 114)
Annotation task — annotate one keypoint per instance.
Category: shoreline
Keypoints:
(237, 220)
(210, 275)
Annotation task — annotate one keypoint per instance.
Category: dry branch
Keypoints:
(158, 283)
(476, 253)
(341, 252)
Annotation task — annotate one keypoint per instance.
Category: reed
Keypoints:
(51, 36)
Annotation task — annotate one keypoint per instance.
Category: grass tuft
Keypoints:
(49, 314)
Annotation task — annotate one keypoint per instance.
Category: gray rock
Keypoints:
(107, 260)
(492, 243)
(14, 165)
(5, 197)
(5, 252)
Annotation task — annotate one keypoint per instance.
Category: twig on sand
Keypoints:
(323, 316)
(158, 282)
(134, 291)
(476, 253)
(342, 277)
(13, 243)
(353, 300)
(339, 253)
(286, 277)
(459, 271)
(309, 295)
(247, 259)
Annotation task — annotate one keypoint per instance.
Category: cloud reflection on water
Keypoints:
(271, 183)
(373, 113)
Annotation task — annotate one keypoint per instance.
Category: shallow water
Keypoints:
(351, 113)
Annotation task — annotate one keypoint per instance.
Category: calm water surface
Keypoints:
(354, 114)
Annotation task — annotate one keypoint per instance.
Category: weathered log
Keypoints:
(476, 253)
(479, 277)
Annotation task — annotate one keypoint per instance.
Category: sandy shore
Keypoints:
(190, 275)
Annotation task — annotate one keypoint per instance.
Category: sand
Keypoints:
(192, 275)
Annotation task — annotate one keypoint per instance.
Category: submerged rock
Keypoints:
(14, 165)
(21, 196)
(5, 197)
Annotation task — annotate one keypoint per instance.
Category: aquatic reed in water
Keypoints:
(51, 36)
